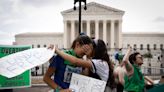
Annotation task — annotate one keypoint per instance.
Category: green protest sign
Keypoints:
(23, 80)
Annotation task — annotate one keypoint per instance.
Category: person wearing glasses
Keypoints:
(128, 74)
(134, 80)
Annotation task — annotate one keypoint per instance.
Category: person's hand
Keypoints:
(130, 48)
(87, 50)
(65, 90)
(126, 56)
(52, 47)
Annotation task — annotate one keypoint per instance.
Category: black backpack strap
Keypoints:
(94, 75)
(94, 66)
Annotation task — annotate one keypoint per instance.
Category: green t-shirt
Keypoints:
(70, 68)
(135, 82)
(70, 52)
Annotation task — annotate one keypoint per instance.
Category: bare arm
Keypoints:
(47, 78)
(128, 65)
(121, 77)
(148, 80)
(74, 60)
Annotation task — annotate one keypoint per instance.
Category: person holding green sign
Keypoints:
(63, 69)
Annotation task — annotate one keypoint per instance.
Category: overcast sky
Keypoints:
(20, 16)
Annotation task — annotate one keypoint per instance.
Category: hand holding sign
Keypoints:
(17, 63)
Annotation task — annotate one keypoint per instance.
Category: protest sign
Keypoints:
(81, 83)
(17, 63)
(23, 80)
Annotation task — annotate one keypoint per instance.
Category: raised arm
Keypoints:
(74, 60)
(126, 63)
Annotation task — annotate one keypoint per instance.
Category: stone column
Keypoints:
(112, 34)
(72, 31)
(88, 29)
(65, 34)
(97, 29)
(120, 34)
(105, 31)
(82, 27)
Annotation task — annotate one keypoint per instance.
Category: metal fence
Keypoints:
(152, 66)
(153, 71)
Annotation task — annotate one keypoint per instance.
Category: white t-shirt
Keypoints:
(102, 68)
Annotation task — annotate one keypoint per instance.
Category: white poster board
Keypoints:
(17, 63)
(81, 83)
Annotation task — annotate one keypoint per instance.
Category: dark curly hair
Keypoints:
(132, 57)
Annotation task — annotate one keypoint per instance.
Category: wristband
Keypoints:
(57, 89)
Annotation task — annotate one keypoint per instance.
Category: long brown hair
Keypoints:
(100, 52)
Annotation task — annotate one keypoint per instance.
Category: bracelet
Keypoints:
(57, 89)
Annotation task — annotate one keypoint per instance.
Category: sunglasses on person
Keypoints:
(140, 57)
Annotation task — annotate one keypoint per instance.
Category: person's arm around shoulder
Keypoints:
(74, 60)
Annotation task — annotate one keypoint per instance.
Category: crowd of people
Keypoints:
(125, 77)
